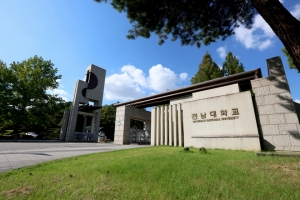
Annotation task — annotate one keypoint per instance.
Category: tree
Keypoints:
(23, 93)
(205, 21)
(108, 115)
(231, 65)
(290, 60)
(107, 120)
(4, 95)
(208, 70)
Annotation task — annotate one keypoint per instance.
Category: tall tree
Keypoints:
(5, 95)
(232, 65)
(289, 59)
(24, 92)
(108, 115)
(208, 70)
(205, 21)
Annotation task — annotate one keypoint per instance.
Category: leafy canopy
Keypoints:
(194, 21)
(108, 115)
(197, 22)
(232, 65)
(23, 93)
(208, 70)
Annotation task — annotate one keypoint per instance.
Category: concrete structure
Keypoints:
(122, 124)
(242, 111)
(86, 92)
(277, 118)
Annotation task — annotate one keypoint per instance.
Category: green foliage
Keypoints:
(231, 65)
(23, 93)
(135, 124)
(208, 70)
(108, 115)
(197, 22)
(290, 60)
(194, 22)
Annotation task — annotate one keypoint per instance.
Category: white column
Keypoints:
(153, 130)
(166, 124)
(161, 125)
(170, 125)
(157, 125)
(175, 125)
(179, 125)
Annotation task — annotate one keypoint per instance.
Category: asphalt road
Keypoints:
(14, 155)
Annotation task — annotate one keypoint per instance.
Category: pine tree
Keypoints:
(196, 22)
(290, 60)
(208, 70)
(232, 65)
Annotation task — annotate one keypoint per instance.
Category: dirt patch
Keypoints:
(290, 170)
(24, 191)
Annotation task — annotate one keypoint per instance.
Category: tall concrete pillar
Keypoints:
(157, 125)
(153, 127)
(162, 127)
(166, 108)
(175, 129)
(64, 125)
(179, 125)
(277, 119)
(170, 125)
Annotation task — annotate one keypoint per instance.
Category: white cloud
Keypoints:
(61, 93)
(132, 82)
(183, 76)
(122, 87)
(297, 100)
(296, 11)
(136, 74)
(261, 35)
(281, 1)
(222, 52)
(161, 79)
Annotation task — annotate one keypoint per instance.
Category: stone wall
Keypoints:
(277, 119)
(122, 124)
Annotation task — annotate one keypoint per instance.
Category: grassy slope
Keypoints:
(157, 173)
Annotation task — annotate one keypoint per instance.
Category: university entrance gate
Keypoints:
(243, 111)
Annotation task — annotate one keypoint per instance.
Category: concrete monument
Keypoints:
(87, 101)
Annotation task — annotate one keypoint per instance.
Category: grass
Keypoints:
(157, 173)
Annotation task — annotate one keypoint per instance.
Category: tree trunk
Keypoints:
(284, 25)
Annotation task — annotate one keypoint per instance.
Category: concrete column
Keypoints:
(179, 125)
(119, 125)
(147, 125)
(157, 125)
(175, 129)
(166, 124)
(170, 125)
(277, 119)
(84, 123)
(153, 127)
(161, 125)
(64, 125)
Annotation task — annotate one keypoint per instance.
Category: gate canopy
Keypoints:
(243, 79)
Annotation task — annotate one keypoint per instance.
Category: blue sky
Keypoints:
(75, 34)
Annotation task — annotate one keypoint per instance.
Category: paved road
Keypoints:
(15, 155)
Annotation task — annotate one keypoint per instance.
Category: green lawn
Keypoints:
(157, 173)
